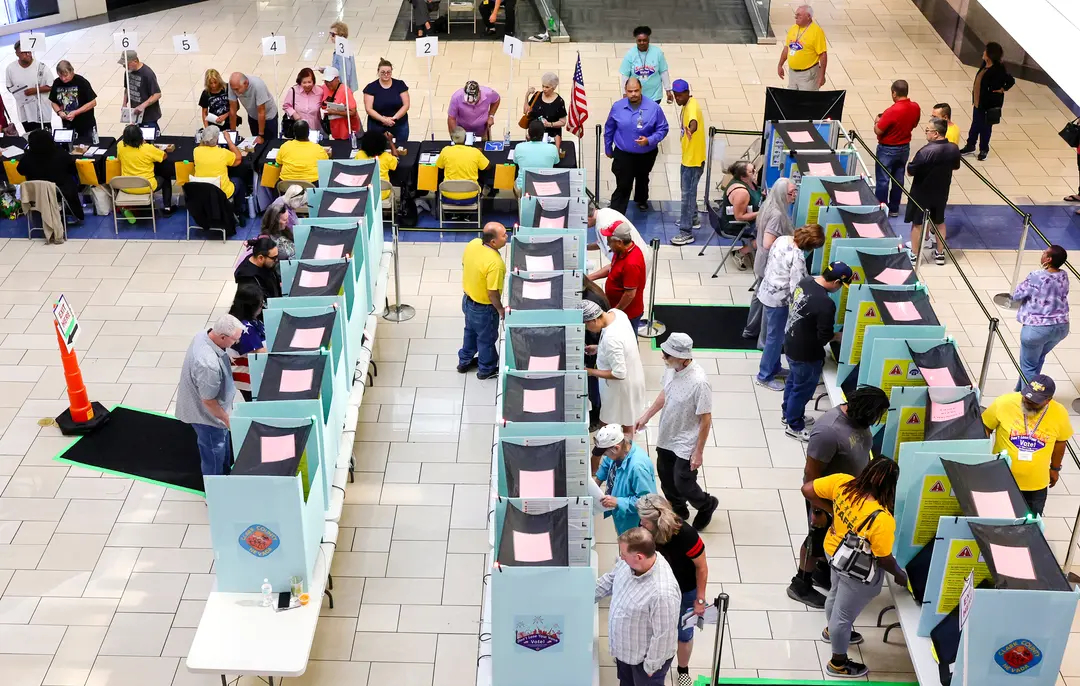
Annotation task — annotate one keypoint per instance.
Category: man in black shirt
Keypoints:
(141, 90)
(259, 268)
(931, 175)
(809, 328)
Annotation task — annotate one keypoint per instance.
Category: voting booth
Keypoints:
(546, 461)
(551, 290)
(545, 250)
(787, 139)
(554, 183)
(554, 213)
(348, 173)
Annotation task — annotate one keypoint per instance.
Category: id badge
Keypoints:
(640, 123)
(1024, 455)
(794, 47)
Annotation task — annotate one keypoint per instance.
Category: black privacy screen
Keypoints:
(296, 334)
(852, 193)
(318, 279)
(325, 243)
(545, 293)
(904, 307)
(534, 540)
(538, 254)
(535, 471)
(343, 203)
(292, 377)
(532, 399)
(539, 348)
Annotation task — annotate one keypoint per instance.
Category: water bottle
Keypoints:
(506, 140)
(267, 593)
(94, 136)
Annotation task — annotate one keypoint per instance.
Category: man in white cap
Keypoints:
(625, 472)
(686, 400)
(624, 277)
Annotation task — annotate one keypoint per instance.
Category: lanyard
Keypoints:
(799, 34)
(644, 57)
(1029, 433)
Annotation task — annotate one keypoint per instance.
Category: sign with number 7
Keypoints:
(32, 42)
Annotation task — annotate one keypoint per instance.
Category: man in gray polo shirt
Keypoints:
(205, 396)
(684, 427)
(258, 102)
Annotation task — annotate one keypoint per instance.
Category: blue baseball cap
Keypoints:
(680, 86)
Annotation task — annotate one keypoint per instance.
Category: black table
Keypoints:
(184, 151)
(497, 157)
(106, 142)
(342, 150)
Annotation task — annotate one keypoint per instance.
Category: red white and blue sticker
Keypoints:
(1018, 656)
(536, 632)
(259, 540)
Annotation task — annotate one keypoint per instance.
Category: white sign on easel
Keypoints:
(516, 50)
(272, 46)
(122, 42)
(429, 47)
(186, 44)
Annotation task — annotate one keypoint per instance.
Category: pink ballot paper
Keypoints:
(536, 290)
(545, 188)
(351, 180)
(938, 377)
(536, 485)
(993, 504)
(848, 197)
(330, 252)
(538, 402)
(867, 230)
(801, 136)
(946, 412)
(544, 364)
(532, 547)
(296, 380)
(277, 448)
(314, 279)
(902, 311)
(539, 263)
(342, 205)
(308, 339)
(893, 277)
(552, 222)
(820, 169)
(1014, 562)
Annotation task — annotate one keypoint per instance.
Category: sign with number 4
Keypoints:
(32, 42)
(427, 47)
(513, 47)
(127, 40)
(185, 44)
(273, 46)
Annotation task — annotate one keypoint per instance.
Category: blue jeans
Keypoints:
(688, 181)
(636, 322)
(773, 322)
(213, 449)
(1035, 343)
(801, 383)
(689, 599)
(399, 131)
(892, 159)
(980, 131)
(481, 335)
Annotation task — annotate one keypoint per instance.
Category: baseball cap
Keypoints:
(618, 229)
(1040, 389)
(838, 271)
(680, 86)
(330, 73)
(128, 56)
(590, 310)
(472, 92)
(678, 345)
(609, 436)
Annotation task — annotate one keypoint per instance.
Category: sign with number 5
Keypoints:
(273, 46)
(127, 40)
(32, 42)
(427, 47)
(187, 43)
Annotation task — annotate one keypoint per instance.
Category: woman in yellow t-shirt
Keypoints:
(853, 501)
(210, 160)
(299, 158)
(376, 145)
(137, 158)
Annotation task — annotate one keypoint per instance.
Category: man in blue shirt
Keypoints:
(635, 126)
(625, 472)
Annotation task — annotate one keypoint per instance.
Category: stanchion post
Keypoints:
(652, 328)
(599, 147)
(1072, 548)
(1005, 299)
(397, 312)
(721, 604)
(986, 354)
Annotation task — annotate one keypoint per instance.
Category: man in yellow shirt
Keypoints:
(942, 110)
(299, 158)
(482, 276)
(693, 161)
(460, 162)
(1033, 428)
(805, 52)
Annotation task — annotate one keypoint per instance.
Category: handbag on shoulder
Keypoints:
(1071, 133)
(853, 557)
(524, 121)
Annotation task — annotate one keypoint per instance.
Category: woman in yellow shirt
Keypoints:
(861, 504)
(376, 145)
(137, 158)
(210, 160)
(299, 158)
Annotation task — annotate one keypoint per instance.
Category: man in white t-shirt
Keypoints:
(602, 219)
(29, 81)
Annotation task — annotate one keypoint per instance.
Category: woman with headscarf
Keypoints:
(46, 161)
(618, 365)
(772, 222)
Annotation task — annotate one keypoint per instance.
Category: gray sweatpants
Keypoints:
(847, 598)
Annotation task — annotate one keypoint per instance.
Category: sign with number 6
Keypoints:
(427, 47)
(32, 42)
(127, 40)
(185, 44)
(273, 46)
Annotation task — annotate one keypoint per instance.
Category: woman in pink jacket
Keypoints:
(304, 100)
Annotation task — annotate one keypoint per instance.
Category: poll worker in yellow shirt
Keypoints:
(137, 158)
(299, 158)
(942, 110)
(693, 161)
(460, 162)
(482, 275)
(1033, 428)
(805, 52)
(379, 145)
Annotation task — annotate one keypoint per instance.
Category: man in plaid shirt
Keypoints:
(644, 615)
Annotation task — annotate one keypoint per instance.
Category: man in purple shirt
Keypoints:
(635, 126)
(473, 109)
(1044, 311)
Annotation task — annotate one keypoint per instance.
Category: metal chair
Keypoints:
(461, 7)
(389, 203)
(124, 199)
(29, 207)
(459, 186)
(204, 195)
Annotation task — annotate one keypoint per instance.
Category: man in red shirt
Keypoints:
(625, 276)
(893, 128)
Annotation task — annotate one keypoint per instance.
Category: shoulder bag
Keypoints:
(853, 557)
(1071, 133)
(287, 122)
(524, 121)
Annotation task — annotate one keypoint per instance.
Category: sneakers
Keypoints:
(803, 435)
(939, 258)
(849, 670)
(822, 575)
(682, 239)
(981, 156)
(856, 637)
(771, 384)
(800, 591)
(484, 376)
(783, 373)
(684, 679)
(464, 368)
(703, 517)
(540, 38)
(894, 214)
(967, 149)
(808, 421)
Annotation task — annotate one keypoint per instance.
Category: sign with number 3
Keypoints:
(341, 46)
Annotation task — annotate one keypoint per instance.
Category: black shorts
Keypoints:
(913, 215)
(817, 535)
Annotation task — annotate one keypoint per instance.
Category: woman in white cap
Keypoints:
(625, 472)
(618, 365)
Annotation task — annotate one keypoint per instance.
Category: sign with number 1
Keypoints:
(127, 40)
(32, 42)
(273, 46)
(185, 44)
(427, 47)
(513, 47)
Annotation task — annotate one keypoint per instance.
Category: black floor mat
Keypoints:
(713, 327)
(141, 445)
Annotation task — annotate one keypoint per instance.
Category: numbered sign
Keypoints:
(185, 44)
(513, 47)
(273, 46)
(127, 40)
(341, 46)
(427, 47)
(32, 42)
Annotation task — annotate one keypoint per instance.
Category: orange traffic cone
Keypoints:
(82, 416)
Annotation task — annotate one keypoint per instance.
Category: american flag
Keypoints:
(579, 106)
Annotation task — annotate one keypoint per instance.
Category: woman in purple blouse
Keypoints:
(1044, 311)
